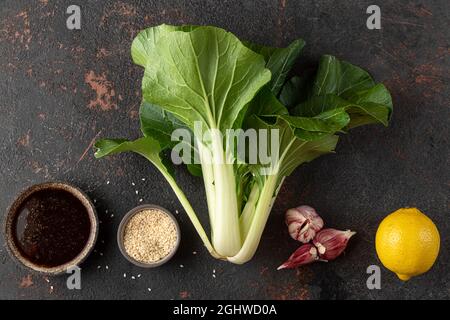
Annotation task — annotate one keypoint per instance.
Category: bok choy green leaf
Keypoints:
(205, 77)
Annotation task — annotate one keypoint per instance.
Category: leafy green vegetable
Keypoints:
(296, 90)
(339, 86)
(279, 61)
(205, 75)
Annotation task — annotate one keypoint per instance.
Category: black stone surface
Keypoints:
(60, 90)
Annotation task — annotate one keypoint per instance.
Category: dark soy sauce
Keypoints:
(52, 227)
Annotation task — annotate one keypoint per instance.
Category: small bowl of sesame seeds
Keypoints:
(148, 236)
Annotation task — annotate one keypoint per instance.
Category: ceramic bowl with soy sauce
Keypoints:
(51, 227)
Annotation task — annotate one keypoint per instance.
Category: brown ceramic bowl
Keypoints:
(121, 230)
(14, 211)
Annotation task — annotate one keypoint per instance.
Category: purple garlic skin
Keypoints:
(330, 243)
(306, 254)
(303, 223)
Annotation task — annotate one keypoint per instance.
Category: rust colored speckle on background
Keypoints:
(25, 36)
(263, 270)
(102, 53)
(119, 172)
(420, 10)
(120, 8)
(89, 147)
(16, 29)
(26, 282)
(431, 77)
(105, 94)
(289, 292)
(297, 288)
(25, 140)
(134, 114)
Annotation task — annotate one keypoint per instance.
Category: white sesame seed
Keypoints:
(124, 275)
(47, 280)
(176, 211)
(161, 230)
(140, 200)
(139, 275)
(214, 276)
(181, 266)
(194, 252)
(149, 289)
(101, 254)
(137, 192)
(133, 277)
(95, 200)
(133, 184)
(98, 267)
(106, 211)
(107, 182)
(107, 267)
(51, 288)
(214, 270)
(112, 216)
(143, 179)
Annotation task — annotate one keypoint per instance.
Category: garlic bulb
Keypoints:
(303, 223)
(330, 243)
(306, 254)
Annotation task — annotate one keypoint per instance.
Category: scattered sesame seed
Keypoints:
(181, 266)
(124, 275)
(214, 270)
(133, 184)
(137, 192)
(107, 267)
(133, 277)
(143, 179)
(112, 216)
(106, 211)
(194, 252)
(149, 289)
(176, 211)
(98, 267)
(214, 276)
(95, 200)
(139, 275)
(47, 280)
(107, 182)
(140, 200)
(101, 254)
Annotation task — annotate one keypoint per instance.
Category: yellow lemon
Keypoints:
(407, 243)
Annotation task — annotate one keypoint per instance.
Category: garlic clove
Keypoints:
(330, 243)
(303, 223)
(306, 254)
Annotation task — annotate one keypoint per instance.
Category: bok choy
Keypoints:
(204, 79)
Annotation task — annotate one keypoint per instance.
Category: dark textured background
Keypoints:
(60, 90)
